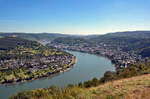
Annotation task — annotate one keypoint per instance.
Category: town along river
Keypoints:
(87, 67)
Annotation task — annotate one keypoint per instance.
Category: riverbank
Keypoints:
(86, 67)
(70, 66)
(124, 84)
(127, 88)
(113, 64)
(41, 74)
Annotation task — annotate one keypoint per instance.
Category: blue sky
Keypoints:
(74, 16)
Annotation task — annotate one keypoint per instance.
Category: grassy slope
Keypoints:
(129, 88)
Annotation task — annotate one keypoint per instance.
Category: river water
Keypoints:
(87, 67)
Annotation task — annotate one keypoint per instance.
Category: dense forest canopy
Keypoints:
(35, 36)
(9, 43)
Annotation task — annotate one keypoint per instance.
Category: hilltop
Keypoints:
(9, 43)
(137, 34)
(53, 36)
(34, 36)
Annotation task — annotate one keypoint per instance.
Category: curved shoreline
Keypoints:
(57, 71)
(114, 64)
(70, 66)
(87, 67)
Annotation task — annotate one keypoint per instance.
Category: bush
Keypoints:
(108, 76)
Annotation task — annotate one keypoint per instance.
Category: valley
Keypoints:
(127, 51)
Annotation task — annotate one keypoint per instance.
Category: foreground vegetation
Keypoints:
(129, 88)
(121, 84)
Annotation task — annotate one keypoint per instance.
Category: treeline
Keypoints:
(9, 43)
(76, 91)
(138, 44)
(9, 76)
(130, 71)
(70, 40)
(35, 36)
(18, 48)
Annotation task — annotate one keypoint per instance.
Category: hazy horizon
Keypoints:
(80, 17)
(71, 33)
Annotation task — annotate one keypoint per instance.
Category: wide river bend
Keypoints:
(87, 67)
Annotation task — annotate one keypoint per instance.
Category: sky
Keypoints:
(74, 16)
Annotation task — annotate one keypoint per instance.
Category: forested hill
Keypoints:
(128, 36)
(9, 43)
(138, 34)
(70, 40)
(35, 36)
(137, 41)
(52, 36)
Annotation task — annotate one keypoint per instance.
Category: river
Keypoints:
(87, 67)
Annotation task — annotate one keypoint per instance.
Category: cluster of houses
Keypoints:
(119, 57)
(54, 61)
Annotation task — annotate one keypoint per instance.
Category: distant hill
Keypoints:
(138, 41)
(9, 43)
(52, 36)
(35, 36)
(138, 34)
(128, 40)
(126, 37)
(70, 40)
